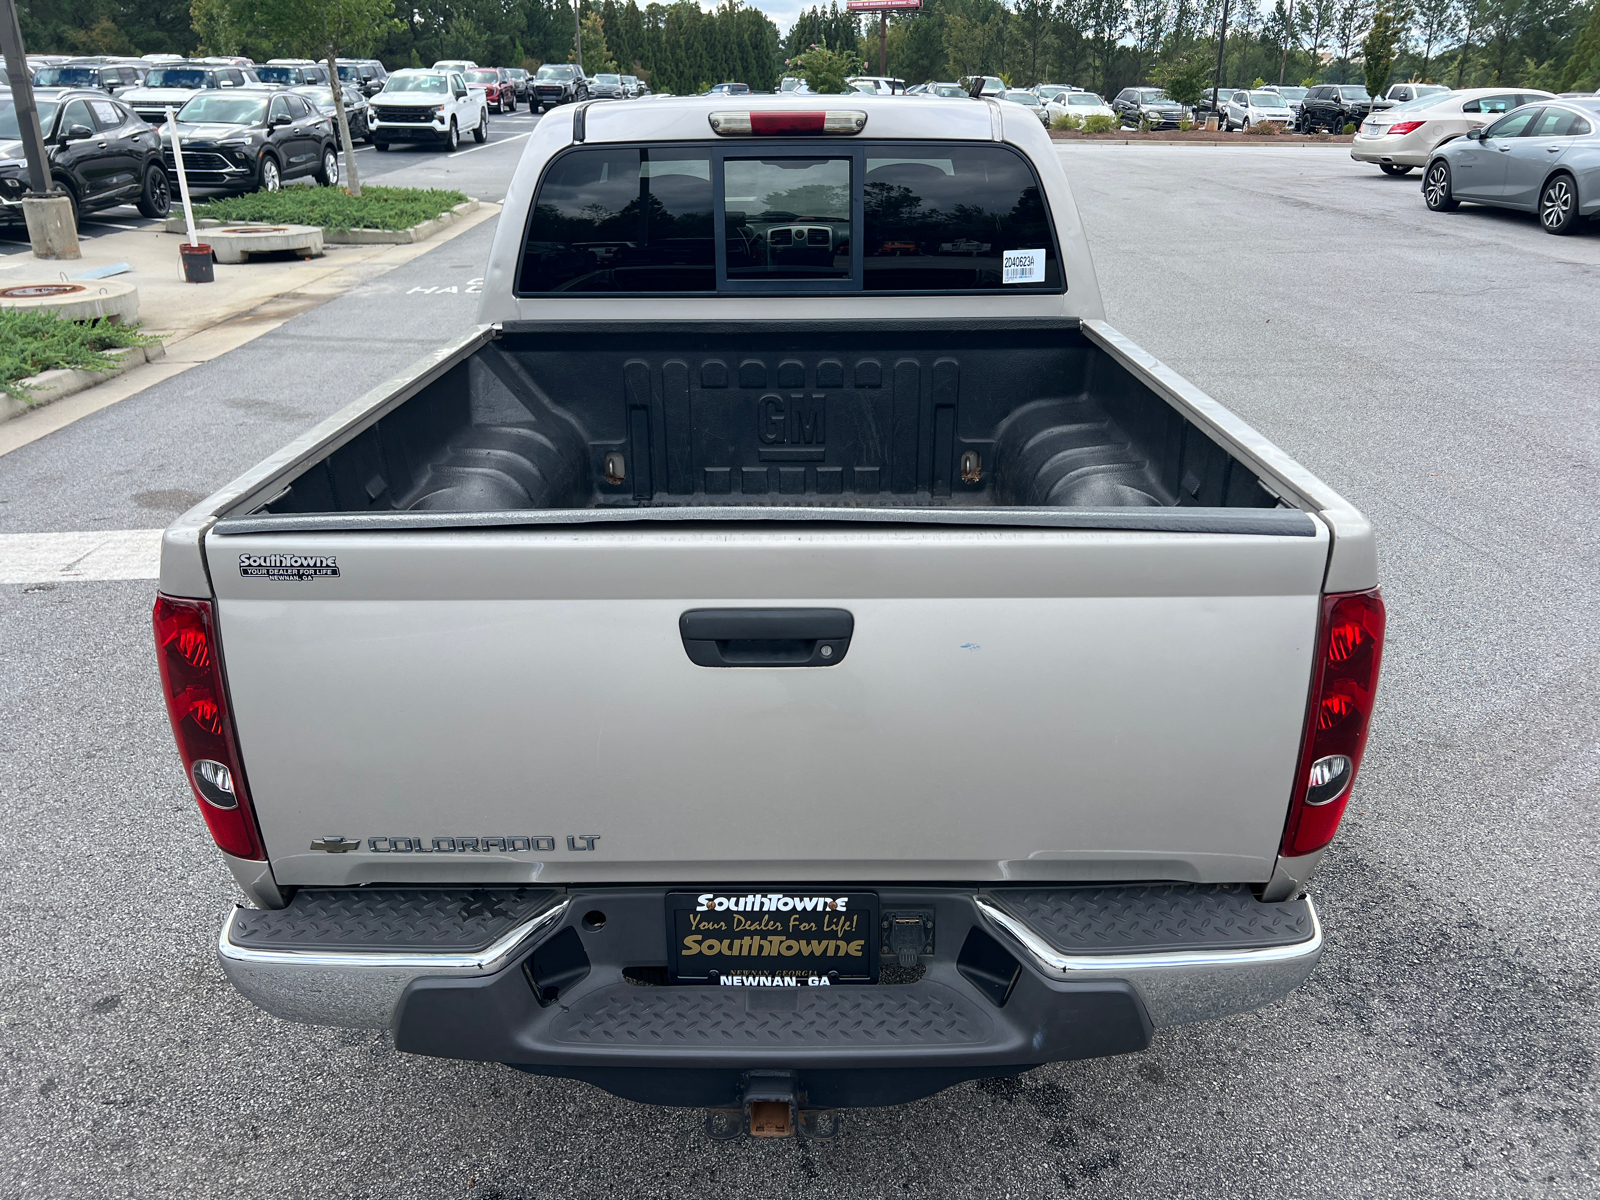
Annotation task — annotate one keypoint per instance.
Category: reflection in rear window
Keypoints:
(622, 221)
(944, 221)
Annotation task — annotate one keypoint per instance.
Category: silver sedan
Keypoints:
(1543, 158)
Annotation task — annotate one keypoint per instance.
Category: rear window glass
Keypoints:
(919, 217)
(943, 222)
(622, 221)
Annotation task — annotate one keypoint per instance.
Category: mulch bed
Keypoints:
(1215, 137)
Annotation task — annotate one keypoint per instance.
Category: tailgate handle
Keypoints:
(766, 637)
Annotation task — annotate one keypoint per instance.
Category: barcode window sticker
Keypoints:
(1022, 266)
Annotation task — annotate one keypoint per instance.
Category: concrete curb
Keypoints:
(361, 237)
(56, 385)
(417, 233)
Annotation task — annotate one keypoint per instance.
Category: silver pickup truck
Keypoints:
(793, 655)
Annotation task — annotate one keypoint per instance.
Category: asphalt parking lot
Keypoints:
(1435, 369)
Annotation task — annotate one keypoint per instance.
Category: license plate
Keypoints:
(811, 938)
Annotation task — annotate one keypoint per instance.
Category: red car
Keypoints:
(497, 82)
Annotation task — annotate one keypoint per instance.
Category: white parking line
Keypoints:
(92, 554)
(489, 145)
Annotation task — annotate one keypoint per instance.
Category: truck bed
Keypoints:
(613, 420)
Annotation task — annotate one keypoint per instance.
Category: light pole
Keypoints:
(1216, 80)
(51, 228)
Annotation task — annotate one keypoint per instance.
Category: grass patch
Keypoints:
(334, 208)
(33, 341)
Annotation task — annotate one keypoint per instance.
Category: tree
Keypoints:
(824, 70)
(1147, 22)
(1582, 66)
(1436, 21)
(1378, 48)
(596, 57)
(1317, 18)
(324, 29)
(1349, 25)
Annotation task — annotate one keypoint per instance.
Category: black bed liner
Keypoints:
(1029, 424)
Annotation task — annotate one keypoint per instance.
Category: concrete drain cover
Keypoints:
(34, 291)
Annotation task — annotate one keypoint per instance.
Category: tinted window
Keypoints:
(76, 113)
(944, 222)
(1354, 93)
(622, 221)
(787, 218)
(223, 110)
(1514, 125)
(280, 108)
(176, 77)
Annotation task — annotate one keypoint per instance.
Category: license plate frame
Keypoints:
(789, 937)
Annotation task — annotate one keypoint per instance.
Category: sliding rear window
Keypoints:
(790, 218)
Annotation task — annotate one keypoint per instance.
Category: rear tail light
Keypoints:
(1403, 127)
(802, 122)
(1344, 681)
(197, 706)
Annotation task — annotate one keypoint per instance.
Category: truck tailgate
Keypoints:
(509, 705)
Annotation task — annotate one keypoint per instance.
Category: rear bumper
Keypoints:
(1092, 972)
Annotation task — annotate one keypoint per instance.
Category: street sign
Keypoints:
(880, 5)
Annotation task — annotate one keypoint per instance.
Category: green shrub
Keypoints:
(1067, 121)
(1100, 123)
(334, 208)
(1185, 125)
(37, 340)
(1348, 128)
(1146, 123)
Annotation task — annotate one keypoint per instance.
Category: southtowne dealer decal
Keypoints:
(292, 567)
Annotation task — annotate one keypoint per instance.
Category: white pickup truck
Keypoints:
(429, 106)
(793, 655)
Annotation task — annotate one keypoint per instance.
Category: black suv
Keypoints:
(252, 138)
(1135, 104)
(555, 84)
(100, 154)
(109, 78)
(1332, 106)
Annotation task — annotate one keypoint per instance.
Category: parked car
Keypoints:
(498, 89)
(357, 111)
(1248, 107)
(1543, 158)
(632, 85)
(1051, 91)
(1203, 107)
(993, 85)
(1082, 105)
(365, 73)
(459, 65)
(877, 85)
(172, 84)
(1136, 104)
(608, 86)
(292, 72)
(111, 79)
(429, 106)
(521, 82)
(1029, 101)
(1294, 95)
(558, 83)
(729, 89)
(1405, 136)
(1401, 93)
(1332, 106)
(250, 140)
(99, 152)
(878, 736)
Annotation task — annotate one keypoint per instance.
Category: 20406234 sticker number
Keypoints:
(772, 938)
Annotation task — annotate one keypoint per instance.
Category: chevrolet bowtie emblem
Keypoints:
(335, 844)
